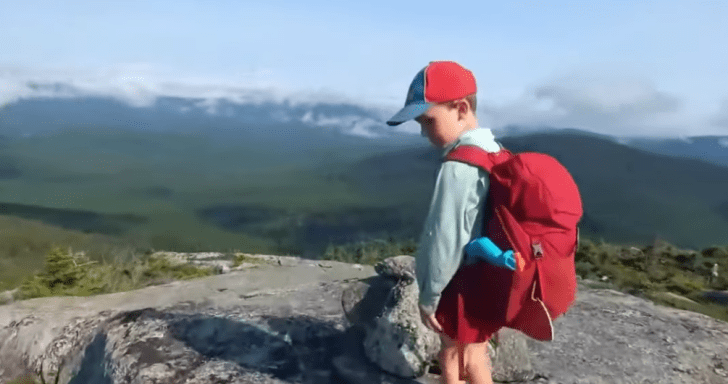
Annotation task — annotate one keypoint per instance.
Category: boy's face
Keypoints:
(441, 124)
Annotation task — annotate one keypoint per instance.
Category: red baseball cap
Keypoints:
(438, 82)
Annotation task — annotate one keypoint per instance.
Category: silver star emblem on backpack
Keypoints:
(537, 250)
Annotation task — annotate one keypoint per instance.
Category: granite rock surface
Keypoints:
(283, 322)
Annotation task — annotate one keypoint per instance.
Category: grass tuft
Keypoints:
(242, 258)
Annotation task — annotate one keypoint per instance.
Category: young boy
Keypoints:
(442, 100)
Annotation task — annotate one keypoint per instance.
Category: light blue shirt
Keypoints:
(455, 218)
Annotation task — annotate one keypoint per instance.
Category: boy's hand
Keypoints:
(429, 320)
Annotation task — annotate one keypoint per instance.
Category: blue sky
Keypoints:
(619, 67)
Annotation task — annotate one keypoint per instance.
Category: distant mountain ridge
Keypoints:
(627, 190)
(713, 149)
(28, 117)
(629, 194)
(225, 120)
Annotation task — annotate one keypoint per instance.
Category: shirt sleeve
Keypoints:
(454, 219)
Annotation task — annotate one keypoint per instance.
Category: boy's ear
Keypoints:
(463, 107)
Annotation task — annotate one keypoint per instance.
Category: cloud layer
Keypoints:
(141, 85)
(721, 118)
(617, 106)
(605, 105)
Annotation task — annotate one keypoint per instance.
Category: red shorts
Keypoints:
(461, 310)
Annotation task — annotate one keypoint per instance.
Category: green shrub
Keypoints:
(369, 252)
(24, 245)
(628, 279)
(65, 273)
(586, 270)
(241, 258)
(161, 268)
(716, 252)
(69, 274)
(685, 284)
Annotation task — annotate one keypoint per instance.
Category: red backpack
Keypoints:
(534, 207)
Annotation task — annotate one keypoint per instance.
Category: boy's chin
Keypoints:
(436, 145)
(439, 144)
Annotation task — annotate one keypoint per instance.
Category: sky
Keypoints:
(625, 68)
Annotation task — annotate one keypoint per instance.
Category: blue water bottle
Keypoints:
(485, 249)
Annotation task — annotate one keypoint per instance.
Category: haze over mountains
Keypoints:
(257, 117)
(328, 172)
(213, 117)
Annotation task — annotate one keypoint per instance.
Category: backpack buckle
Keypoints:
(537, 250)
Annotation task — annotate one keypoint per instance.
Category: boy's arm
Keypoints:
(454, 218)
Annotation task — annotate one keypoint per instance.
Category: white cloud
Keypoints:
(614, 106)
(363, 128)
(282, 116)
(618, 106)
(308, 118)
(407, 127)
(721, 118)
(209, 105)
(623, 140)
(133, 84)
(322, 120)
(350, 124)
(142, 84)
(623, 100)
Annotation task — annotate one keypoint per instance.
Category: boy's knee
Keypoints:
(476, 356)
(448, 353)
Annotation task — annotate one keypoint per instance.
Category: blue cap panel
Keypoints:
(416, 93)
(408, 113)
(415, 104)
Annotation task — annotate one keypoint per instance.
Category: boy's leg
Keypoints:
(476, 359)
(449, 362)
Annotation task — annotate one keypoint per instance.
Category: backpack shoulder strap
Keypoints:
(476, 156)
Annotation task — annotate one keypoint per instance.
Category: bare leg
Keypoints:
(477, 363)
(449, 364)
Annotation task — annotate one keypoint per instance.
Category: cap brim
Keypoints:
(409, 112)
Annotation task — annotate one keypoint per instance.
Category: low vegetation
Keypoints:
(660, 272)
(72, 274)
(369, 252)
(24, 245)
(244, 258)
(649, 271)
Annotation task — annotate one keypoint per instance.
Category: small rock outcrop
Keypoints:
(398, 342)
(398, 268)
(395, 338)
